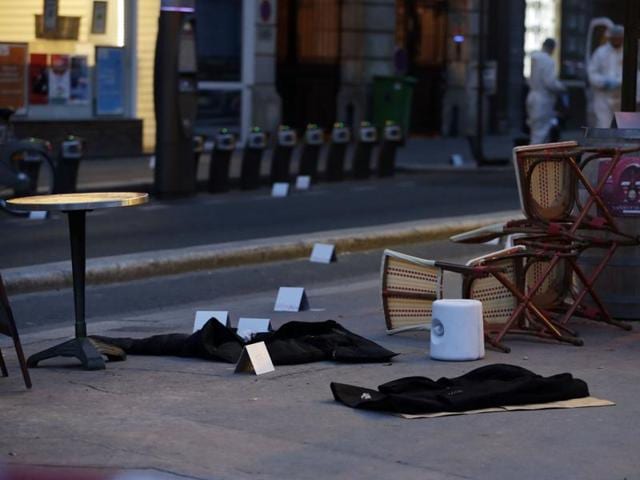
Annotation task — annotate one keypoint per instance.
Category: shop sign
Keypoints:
(621, 192)
(38, 79)
(59, 79)
(13, 76)
(110, 83)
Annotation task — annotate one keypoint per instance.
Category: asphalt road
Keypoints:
(207, 219)
(213, 290)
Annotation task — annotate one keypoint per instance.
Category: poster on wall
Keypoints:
(38, 79)
(59, 80)
(110, 86)
(79, 93)
(13, 76)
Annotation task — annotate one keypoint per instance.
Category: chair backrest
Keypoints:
(555, 286)
(410, 285)
(498, 302)
(547, 188)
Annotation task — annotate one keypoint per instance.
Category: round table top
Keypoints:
(79, 201)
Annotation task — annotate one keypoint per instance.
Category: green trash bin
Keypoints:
(392, 100)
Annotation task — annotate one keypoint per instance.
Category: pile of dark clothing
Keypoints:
(485, 387)
(293, 343)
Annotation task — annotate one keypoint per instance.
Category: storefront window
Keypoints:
(58, 39)
(219, 40)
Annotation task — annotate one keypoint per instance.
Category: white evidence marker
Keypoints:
(203, 316)
(280, 189)
(303, 182)
(323, 253)
(38, 215)
(255, 358)
(291, 299)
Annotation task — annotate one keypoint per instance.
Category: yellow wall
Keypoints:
(148, 12)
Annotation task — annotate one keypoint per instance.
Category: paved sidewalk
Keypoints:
(199, 419)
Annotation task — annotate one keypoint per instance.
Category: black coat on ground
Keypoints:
(293, 343)
(490, 386)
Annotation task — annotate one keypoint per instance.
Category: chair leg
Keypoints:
(3, 366)
(19, 353)
(547, 328)
(23, 363)
(587, 287)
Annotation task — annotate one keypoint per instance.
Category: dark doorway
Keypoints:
(421, 30)
(308, 70)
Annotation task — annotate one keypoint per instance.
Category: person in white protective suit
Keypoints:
(544, 87)
(605, 77)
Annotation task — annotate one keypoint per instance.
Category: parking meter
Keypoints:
(340, 138)
(367, 138)
(224, 145)
(175, 98)
(313, 140)
(391, 139)
(252, 158)
(67, 164)
(281, 161)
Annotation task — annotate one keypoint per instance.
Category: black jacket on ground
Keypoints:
(293, 343)
(490, 386)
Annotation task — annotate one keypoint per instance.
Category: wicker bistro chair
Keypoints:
(410, 285)
(556, 272)
(548, 181)
(509, 305)
(548, 178)
(8, 328)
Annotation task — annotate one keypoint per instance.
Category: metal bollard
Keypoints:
(224, 145)
(391, 139)
(252, 158)
(367, 138)
(198, 142)
(313, 140)
(340, 138)
(281, 161)
(66, 172)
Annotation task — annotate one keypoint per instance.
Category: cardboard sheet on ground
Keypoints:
(573, 403)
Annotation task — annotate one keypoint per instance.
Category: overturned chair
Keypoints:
(563, 221)
(8, 328)
(410, 285)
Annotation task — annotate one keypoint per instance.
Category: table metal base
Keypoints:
(87, 350)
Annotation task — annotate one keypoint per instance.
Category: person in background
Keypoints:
(605, 77)
(544, 87)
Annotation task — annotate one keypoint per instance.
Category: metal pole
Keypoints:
(479, 100)
(630, 56)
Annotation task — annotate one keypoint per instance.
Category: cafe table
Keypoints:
(76, 206)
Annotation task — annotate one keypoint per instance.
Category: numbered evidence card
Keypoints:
(203, 316)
